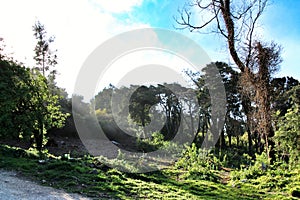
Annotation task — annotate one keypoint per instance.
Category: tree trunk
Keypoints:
(222, 140)
(39, 136)
(250, 152)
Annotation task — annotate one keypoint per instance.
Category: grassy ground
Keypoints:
(88, 176)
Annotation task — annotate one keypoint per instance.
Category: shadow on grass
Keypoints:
(89, 177)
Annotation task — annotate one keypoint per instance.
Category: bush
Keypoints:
(199, 164)
(254, 170)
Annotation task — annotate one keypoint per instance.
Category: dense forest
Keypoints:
(253, 155)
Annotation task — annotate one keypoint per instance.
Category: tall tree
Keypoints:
(203, 99)
(233, 105)
(45, 57)
(46, 60)
(237, 23)
(172, 109)
(230, 80)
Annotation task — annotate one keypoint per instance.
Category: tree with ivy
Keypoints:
(256, 60)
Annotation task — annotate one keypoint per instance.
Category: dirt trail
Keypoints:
(13, 187)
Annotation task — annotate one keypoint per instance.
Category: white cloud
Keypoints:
(116, 6)
(127, 69)
(79, 27)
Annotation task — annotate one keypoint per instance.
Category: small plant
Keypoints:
(254, 170)
(199, 164)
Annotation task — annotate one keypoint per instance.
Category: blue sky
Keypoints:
(80, 26)
(280, 23)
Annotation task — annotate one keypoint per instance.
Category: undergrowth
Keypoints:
(191, 178)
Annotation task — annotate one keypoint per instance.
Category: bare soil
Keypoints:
(15, 187)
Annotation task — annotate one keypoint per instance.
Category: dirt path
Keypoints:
(13, 187)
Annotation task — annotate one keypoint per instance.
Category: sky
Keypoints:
(81, 26)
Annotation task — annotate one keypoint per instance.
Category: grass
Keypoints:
(90, 177)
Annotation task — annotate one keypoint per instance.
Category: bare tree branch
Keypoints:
(186, 21)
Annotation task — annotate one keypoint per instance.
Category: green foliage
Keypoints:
(276, 179)
(199, 164)
(155, 104)
(153, 143)
(234, 157)
(254, 170)
(287, 136)
(196, 157)
(15, 86)
(284, 94)
(140, 103)
(88, 176)
(27, 108)
(18, 152)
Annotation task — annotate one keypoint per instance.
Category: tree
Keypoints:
(103, 99)
(134, 106)
(27, 110)
(281, 94)
(234, 112)
(287, 134)
(230, 80)
(47, 111)
(142, 99)
(172, 109)
(203, 100)
(15, 86)
(237, 23)
(45, 58)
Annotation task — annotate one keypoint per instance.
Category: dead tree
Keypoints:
(237, 22)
